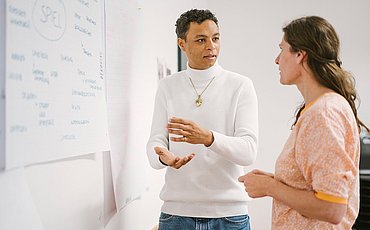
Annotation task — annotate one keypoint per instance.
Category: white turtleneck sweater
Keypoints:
(208, 185)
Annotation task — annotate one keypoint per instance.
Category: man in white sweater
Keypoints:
(204, 130)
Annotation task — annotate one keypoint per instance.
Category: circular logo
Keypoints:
(49, 19)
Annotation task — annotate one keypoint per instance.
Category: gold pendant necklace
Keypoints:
(199, 101)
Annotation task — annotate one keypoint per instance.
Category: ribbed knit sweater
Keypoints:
(208, 185)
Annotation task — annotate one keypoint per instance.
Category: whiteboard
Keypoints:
(55, 80)
(2, 84)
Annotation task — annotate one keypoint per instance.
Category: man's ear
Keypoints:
(181, 44)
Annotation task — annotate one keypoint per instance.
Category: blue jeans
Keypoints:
(172, 222)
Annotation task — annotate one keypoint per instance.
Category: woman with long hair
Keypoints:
(315, 185)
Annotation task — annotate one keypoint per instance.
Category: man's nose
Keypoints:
(211, 45)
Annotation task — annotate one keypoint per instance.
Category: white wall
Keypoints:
(250, 34)
(69, 194)
(56, 195)
(156, 41)
(53, 196)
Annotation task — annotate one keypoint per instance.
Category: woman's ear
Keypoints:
(301, 56)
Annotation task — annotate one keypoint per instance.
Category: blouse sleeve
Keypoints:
(327, 153)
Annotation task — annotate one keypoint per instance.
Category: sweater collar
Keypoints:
(204, 74)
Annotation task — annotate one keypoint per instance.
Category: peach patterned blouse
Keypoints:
(321, 155)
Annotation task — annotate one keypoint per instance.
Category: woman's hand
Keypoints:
(257, 183)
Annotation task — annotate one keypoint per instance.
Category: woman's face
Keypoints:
(289, 63)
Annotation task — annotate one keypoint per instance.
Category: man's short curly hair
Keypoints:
(193, 15)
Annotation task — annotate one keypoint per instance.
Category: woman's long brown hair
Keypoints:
(318, 39)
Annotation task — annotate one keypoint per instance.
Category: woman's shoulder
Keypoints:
(330, 106)
(331, 102)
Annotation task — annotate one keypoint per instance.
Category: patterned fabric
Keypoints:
(321, 155)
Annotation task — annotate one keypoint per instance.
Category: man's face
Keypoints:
(202, 44)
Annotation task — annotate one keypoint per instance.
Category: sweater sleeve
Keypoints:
(241, 148)
(159, 134)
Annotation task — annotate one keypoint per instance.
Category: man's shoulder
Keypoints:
(171, 79)
(237, 77)
(174, 75)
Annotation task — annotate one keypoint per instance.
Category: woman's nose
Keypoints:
(277, 60)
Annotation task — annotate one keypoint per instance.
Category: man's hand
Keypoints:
(171, 160)
(189, 132)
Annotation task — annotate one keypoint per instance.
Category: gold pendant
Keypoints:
(198, 102)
